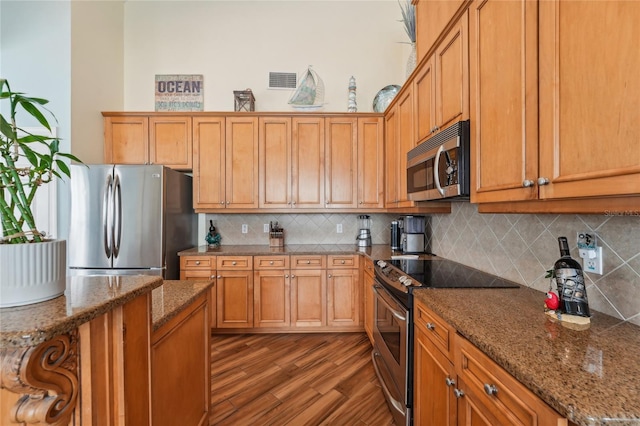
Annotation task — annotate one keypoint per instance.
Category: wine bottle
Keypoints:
(570, 280)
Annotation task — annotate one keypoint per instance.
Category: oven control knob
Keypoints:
(408, 282)
(382, 263)
(402, 278)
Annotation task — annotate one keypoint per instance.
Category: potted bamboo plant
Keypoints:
(32, 267)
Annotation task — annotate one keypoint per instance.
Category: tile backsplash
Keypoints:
(515, 246)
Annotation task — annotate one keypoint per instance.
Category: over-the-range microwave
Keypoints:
(438, 168)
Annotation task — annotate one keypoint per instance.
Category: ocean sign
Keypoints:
(179, 92)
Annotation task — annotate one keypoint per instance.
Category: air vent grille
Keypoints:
(282, 80)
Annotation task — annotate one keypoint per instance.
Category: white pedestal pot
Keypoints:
(32, 273)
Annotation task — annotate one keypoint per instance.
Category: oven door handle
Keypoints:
(396, 404)
(384, 298)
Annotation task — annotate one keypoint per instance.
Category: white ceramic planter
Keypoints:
(32, 273)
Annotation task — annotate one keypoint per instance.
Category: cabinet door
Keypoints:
(391, 158)
(504, 106)
(589, 98)
(406, 142)
(432, 17)
(370, 163)
(275, 162)
(170, 142)
(308, 298)
(341, 162)
(234, 299)
(434, 378)
(126, 140)
(241, 188)
(425, 112)
(452, 75)
(307, 162)
(208, 162)
(271, 298)
(343, 298)
(367, 295)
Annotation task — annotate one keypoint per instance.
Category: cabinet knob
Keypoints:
(329, 276)
(271, 262)
(308, 262)
(286, 275)
(449, 381)
(292, 276)
(212, 277)
(219, 276)
(342, 262)
(234, 263)
(197, 262)
(527, 183)
(543, 181)
(294, 203)
(458, 393)
(360, 202)
(431, 326)
(490, 389)
(227, 202)
(221, 202)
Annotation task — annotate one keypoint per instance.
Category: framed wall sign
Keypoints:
(179, 92)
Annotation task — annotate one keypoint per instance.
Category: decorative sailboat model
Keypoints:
(309, 96)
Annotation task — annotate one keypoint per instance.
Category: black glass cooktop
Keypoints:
(442, 273)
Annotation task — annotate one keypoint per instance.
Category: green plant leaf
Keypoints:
(70, 157)
(30, 154)
(63, 167)
(35, 112)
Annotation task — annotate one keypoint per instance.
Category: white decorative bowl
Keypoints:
(32, 273)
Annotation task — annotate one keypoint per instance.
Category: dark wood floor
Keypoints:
(295, 379)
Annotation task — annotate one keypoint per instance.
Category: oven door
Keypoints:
(390, 352)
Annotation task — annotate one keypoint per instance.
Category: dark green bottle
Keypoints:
(570, 280)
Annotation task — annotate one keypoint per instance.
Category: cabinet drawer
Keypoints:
(271, 262)
(435, 328)
(501, 394)
(197, 262)
(239, 263)
(347, 261)
(308, 262)
(197, 275)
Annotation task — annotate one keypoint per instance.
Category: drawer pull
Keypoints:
(219, 276)
(527, 183)
(271, 262)
(543, 181)
(308, 262)
(329, 276)
(431, 326)
(212, 277)
(234, 263)
(286, 275)
(342, 262)
(292, 276)
(449, 381)
(490, 389)
(197, 262)
(458, 393)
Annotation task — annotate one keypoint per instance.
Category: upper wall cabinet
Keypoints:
(580, 137)
(432, 18)
(161, 139)
(341, 162)
(370, 174)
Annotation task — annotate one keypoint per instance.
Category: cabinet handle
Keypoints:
(342, 262)
(219, 276)
(329, 276)
(431, 326)
(294, 203)
(308, 262)
(490, 389)
(292, 276)
(458, 393)
(227, 203)
(543, 181)
(271, 262)
(360, 202)
(233, 263)
(213, 277)
(286, 275)
(527, 183)
(197, 262)
(221, 202)
(449, 381)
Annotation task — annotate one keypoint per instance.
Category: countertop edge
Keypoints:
(172, 297)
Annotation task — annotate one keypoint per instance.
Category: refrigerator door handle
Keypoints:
(117, 210)
(106, 217)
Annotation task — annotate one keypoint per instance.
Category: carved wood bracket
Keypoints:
(46, 376)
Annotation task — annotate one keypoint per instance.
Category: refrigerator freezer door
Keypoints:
(139, 217)
(90, 236)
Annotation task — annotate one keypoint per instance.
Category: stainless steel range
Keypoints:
(395, 282)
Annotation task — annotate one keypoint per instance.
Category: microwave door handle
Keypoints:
(436, 167)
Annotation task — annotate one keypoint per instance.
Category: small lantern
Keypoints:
(244, 100)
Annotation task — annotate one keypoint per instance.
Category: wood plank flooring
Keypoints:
(295, 379)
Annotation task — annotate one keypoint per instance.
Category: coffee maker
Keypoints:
(363, 239)
(413, 238)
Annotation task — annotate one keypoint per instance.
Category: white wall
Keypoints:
(235, 44)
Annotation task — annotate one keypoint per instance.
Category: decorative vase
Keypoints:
(411, 60)
(32, 272)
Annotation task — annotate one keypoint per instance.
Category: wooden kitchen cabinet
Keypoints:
(344, 302)
(153, 139)
(424, 86)
(538, 131)
(201, 268)
(432, 18)
(405, 141)
(308, 291)
(370, 175)
(275, 155)
(391, 157)
(368, 296)
(271, 291)
(234, 294)
(225, 171)
(341, 162)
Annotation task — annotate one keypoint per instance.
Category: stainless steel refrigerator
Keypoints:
(129, 220)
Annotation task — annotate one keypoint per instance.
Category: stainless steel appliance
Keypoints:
(438, 167)
(395, 281)
(129, 219)
(413, 237)
(363, 239)
(396, 235)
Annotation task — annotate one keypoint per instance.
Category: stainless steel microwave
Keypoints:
(438, 168)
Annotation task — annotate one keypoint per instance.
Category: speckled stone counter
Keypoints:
(172, 297)
(376, 251)
(592, 377)
(85, 299)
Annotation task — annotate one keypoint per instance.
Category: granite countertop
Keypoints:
(85, 298)
(172, 297)
(591, 377)
(376, 251)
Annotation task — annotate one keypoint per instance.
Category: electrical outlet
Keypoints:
(593, 264)
(339, 228)
(245, 228)
(265, 227)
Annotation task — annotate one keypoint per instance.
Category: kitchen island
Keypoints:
(67, 359)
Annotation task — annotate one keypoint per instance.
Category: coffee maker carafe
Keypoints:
(413, 237)
(363, 239)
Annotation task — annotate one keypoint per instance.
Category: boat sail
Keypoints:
(310, 92)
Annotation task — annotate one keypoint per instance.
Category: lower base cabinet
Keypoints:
(180, 368)
(467, 388)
